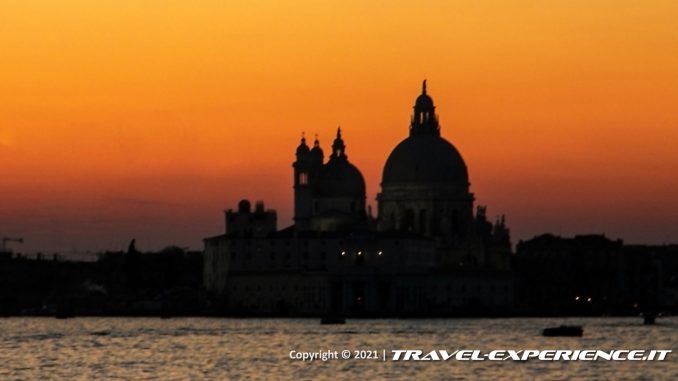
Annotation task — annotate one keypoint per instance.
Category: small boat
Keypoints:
(564, 330)
(333, 320)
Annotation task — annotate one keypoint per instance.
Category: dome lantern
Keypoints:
(424, 120)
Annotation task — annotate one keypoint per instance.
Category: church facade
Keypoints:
(427, 253)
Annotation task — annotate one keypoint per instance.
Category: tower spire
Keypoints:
(423, 87)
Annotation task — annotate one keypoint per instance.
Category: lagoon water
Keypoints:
(258, 349)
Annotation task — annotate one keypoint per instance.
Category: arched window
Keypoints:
(303, 178)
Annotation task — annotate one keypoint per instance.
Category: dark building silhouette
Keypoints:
(426, 253)
(429, 252)
(119, 283)
(425, 185)
(593, 275)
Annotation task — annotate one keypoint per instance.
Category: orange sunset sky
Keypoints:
(145, 119)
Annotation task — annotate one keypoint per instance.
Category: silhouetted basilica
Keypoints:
(426, 253)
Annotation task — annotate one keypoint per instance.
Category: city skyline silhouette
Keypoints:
(119, 126)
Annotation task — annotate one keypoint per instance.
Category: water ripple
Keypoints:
(258, 349)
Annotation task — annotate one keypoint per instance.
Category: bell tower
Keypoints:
(306, 169)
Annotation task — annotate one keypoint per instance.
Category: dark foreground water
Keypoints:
(245, 349)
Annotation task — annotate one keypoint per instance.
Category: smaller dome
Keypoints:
(339, 178)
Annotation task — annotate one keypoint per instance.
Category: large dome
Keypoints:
(424, 160)
(339, 178)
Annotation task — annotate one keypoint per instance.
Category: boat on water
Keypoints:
(564, 330)
(333, 320)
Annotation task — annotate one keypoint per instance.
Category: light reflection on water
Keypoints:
(245, 349)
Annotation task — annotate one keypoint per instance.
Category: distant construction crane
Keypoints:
(5, 240)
